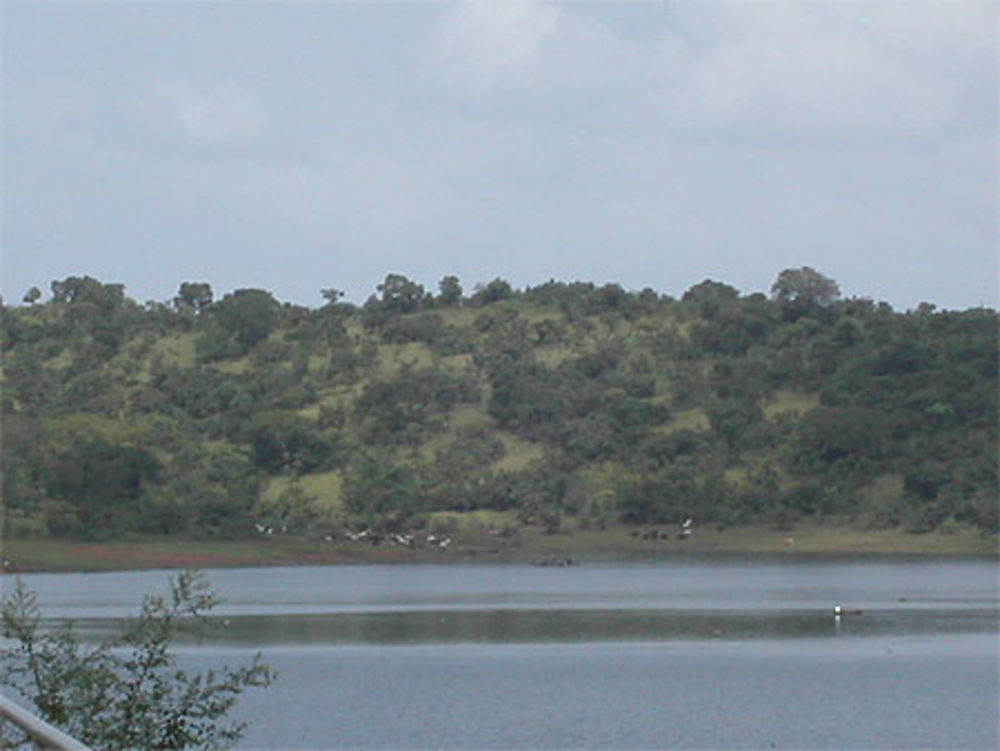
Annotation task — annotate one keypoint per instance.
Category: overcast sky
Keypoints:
(297, 146)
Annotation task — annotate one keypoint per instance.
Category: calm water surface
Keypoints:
(724, 653)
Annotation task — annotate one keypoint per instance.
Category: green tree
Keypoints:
(208, 492)
(331, 295)
(401, 295)
(737, 421)
(294, 510)
(280, 442)
(450, 291)
(241, 319)
(102, 482)
(94, 309)
(850, 437)
(383, 493)
(196, 296)
(86, 289)
(247, 315)
(805, 287)
(126, 692)
(711, 297)
(420, 327)
(495, 291)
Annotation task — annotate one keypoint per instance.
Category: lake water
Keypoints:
(688, 653)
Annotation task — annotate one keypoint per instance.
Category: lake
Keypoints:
(726, 652)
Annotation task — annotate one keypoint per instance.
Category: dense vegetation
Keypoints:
(561, 405)
(125, 692)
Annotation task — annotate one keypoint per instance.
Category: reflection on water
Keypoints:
(712, 599)
(566, 626)
(527, 626)
(585, 625)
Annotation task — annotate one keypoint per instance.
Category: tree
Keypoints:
(451, 291)
(331, 295)
(102, 482)
(400, 294)
(281, 442)
(247, 316)
(95, 309)
(194, 296)
(737, 421)
(126, 692)
(208, 492)
(76, 289)
(32, 296)
(711, 297)
(383, 493)
(495, 291)
(806, 288)
(846, 436)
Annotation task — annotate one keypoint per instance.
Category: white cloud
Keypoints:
(219, 116)
(782, 72)
(826, 71)
(489, 41)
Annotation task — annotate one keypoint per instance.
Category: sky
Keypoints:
(296, 146)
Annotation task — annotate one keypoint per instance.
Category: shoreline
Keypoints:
(45, 555)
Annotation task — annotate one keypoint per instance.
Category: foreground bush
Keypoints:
(125, 692)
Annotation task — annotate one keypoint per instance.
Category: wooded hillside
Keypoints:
(561, 405)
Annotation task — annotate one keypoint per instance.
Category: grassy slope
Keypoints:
(326, 487)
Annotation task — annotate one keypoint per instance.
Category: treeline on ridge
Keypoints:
(562, 405)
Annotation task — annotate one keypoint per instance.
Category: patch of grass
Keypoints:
(735, 475)
(459, 317)
(236, 366)
(555, 355)
(176, 349)
(466, 416)
(477, 523)
(393, 357)
(60, 362)
(172, 553)
(824, 538)
(807, 539)
(326, 487)
(883, 489)
(70, 428)
(689, 419)
(317, 364)
(534, 313)
(456, 363)
(472, 541)
(432, 445)
(786, 402)
(518, 455)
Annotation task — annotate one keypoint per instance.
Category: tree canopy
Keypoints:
(805, 287)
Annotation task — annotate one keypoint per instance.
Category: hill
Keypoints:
(562, 406)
